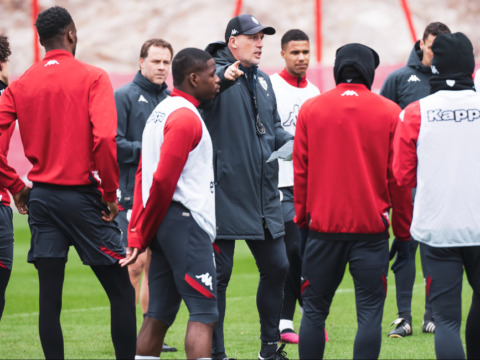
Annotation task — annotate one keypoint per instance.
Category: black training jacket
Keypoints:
(247, 197)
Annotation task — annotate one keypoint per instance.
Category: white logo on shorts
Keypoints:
(206, 279)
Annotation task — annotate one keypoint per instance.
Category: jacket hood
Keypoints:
(355, 63)
(220, 53)
(415, 59)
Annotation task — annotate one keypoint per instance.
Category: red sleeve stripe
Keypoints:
(111, 253)
(197, 286)
(216, 248)
(2, 265)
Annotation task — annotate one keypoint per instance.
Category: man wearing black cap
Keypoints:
(344, 189)
(245, 128)
(436, 150)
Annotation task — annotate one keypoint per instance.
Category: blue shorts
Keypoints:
(182, 267)
(6, 237)
(60, 216)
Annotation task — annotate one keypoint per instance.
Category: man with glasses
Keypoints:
(245, 128)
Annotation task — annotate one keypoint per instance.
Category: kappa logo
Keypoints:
(206, 279)
(453, 115)
(51, 62)
(292, 117)
(349, 93)
(142, 99)
(234, 32)
(413, 78)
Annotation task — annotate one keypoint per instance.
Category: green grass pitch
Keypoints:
(86, 320)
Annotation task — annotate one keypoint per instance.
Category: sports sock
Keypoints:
(51, 274)
(473, 329)
(4, 278)
(285, 324)
(120, 292)
(407, 315)
(268, 349)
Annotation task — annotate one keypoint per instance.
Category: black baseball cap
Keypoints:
(246, 24)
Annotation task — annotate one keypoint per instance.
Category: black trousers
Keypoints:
(272, 263)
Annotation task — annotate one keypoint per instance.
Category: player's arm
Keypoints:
(103, 117)
(405, 146)
(300, 171)
(128, 151)
(400, 195)
(9, 178)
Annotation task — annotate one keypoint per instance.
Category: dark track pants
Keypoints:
(272, 263)
(404, 282)
(444, 273)
(323, 268)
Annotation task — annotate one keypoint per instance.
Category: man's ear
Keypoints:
(71, 36)
(232, 42)
(193, 79)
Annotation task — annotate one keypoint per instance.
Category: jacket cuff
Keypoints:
(110, 195)
(16, 187)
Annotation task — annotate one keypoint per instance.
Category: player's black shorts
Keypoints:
(288, 207)
(6, 237)
(182, 267)
(60, 216)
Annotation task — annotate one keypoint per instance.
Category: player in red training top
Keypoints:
(344, 189)
(67, 120)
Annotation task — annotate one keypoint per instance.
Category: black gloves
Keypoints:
(402, 249)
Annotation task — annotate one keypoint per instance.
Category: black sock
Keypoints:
(407, 315)
(51, 273)
(120, 292)
(268, 349)
(4, 277)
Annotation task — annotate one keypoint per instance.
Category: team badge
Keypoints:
(263, 82)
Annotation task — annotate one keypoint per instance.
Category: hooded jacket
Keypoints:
(135, 102)
(342, 157)
(247, 197)
(409, 83)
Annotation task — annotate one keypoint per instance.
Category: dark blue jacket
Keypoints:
(246, 192)
(135, 102)
(409, 83)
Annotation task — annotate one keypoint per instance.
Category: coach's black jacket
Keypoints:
(246, 190)
(135, 102)
(409, 83)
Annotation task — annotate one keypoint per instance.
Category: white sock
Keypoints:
(146, 357)
(285, 324)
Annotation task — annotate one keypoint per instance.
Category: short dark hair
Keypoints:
(155, 42)
(52, 22)
(5, 51)
(187, 61)
(434, 29)
(293, 35)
